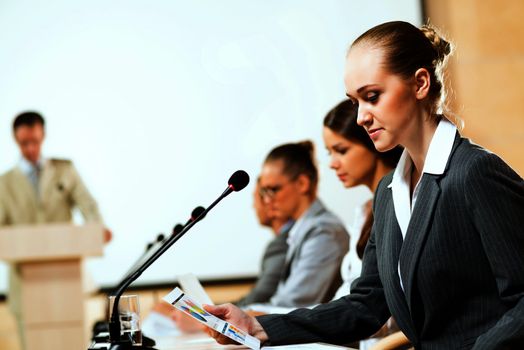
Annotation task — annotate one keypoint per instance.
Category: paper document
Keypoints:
(310, 346)
(189, 306)
(192, 286)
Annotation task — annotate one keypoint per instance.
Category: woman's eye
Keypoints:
(372, 97)
(341, 151)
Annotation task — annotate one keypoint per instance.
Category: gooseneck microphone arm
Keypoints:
(159, 240)
(237, 182)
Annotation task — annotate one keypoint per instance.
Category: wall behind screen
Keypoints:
(158, 102)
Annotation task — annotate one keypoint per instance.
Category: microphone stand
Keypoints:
(159, 240)
(122, 343)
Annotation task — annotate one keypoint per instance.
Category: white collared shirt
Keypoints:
(32, 172)
(27, 167)
(435, 163)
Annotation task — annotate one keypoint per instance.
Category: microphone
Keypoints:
(195, 214)
(237, 182)
(177, 229)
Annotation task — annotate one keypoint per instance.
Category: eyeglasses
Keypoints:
(269, 191)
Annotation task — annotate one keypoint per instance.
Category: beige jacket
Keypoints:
(60, 191)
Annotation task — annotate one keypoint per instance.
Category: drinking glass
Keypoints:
(129, 312)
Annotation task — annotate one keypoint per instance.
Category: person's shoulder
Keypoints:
(61, 166)
(60, 161)
(470, 157)
(467, 152)
(318, 211)
(323, 217)
(9, 175)
(10, 180)
(474, 168)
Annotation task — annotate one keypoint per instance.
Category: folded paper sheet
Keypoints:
(184, 303)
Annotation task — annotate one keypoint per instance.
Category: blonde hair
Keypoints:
(406, 49)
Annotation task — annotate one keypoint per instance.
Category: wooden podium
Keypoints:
(48, 260)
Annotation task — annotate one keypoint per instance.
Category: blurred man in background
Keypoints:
(39, 190)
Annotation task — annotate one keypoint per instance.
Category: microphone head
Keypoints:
(178, 228)
(160, 237)
(238, 180)
(197, 212)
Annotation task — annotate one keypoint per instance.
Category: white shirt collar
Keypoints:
(436, 158)
(435, 163)
(440, 148)
(27, 167)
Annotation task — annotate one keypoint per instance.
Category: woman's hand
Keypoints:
(238, 318)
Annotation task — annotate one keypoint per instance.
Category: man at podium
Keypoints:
(39, 190)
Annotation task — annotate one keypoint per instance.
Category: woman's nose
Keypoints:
(333, 164)
(363, 117)
(266, 199)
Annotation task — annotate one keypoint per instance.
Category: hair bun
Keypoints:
(307, 144)
(441, 46)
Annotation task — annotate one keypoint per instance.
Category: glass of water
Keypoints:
(129, 312)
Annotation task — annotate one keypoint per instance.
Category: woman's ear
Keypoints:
(423, 83)
(304, 184)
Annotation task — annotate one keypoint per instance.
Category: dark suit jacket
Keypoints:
(462, 265)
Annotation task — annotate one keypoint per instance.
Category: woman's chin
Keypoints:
(383, 146)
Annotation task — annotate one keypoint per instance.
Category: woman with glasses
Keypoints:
(317, 241)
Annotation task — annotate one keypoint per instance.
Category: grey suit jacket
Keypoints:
(271, 270)
(462, 265)
(311, 273)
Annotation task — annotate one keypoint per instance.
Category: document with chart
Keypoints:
(184, 303)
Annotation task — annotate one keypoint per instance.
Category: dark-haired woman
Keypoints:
(445, 253)
(356, 162)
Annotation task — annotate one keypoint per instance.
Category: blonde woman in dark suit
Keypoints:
(445, 253)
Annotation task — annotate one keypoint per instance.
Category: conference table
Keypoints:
(201, 341)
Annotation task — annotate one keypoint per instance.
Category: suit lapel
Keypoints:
(419, 225)
(300, 235)
(418, 229)
(46, 179)
(391, 250)
(26, 188)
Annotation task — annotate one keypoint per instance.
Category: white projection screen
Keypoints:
(158, 102)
